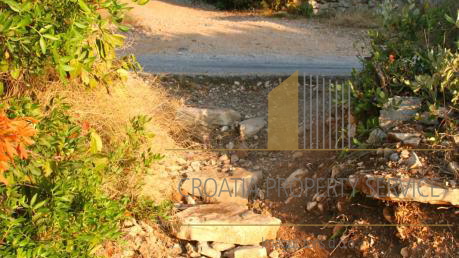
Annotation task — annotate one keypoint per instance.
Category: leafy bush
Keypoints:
(54, 203)
(275, 5)
(304, 9)
(66, 37)
(414, 53)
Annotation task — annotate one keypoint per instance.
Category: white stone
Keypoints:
(398, 109)
(208, 117)
(294, 177)
(206, 250)
(311, 205)
(190, 200)
(413, 161)
(225, 222)
(412, 139)
(222, 246)
(215, 187)
(274, 254)
(250, 127)
(247, 252)
(453, 167)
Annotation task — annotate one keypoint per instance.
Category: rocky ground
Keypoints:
(230, 114)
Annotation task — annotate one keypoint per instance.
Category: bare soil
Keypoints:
(178, 27)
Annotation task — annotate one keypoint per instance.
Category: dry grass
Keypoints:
(110, 113)
(433, 241)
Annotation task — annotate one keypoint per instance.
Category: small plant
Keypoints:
(54, 203)
(414, 53)
(305, 9)
(70, 39)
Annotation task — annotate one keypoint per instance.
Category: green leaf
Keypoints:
(84, 6)
(123, 28)
(15, 6)
(43, 45)
(142, 2)
(450, 19)
(80, 25)
(96, 142)
(49, 36)
(34, 199)
(15, 73)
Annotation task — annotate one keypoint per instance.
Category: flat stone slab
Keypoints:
(208, 116)
(405, 189)
(412, 139)
(247, 252)
(225, 222)
(398, 109)
(216, 187)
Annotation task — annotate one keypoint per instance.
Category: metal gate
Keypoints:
(325, 113)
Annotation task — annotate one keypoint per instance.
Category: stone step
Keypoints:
(216, 187)
(226, 223)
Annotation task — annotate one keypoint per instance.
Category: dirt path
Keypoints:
(182, 38)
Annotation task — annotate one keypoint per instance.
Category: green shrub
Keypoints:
(65, 37)
(414, 53)
(304, 9)
(54, 204)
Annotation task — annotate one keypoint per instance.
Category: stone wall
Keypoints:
(346, 5)
(342, 5)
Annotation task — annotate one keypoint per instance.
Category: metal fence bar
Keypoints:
(331, 109)
(329, 114)
(304, 110)
(323, 113)
(310, 111)
(317, 111)
(336, 115)
(349, 116)
(342, 117)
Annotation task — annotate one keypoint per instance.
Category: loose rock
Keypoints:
(412, 139)
(398, 109)
(295, 176)
(188, 221)
(208, 117)
(274, 254)
(206, 250)
(376, 136)
(404, 252)
(214, 187)
(453, 167)
(413, 161)
(394, 157)
(221, 247)
(311, 205)
(191, 250)
(190, 200)
(247, 252)
(250, 127)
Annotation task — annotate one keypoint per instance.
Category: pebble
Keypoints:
(274, 254)
(405, 154)
(404, 252)
(453, 167)
(190, 200)
(234, 158)
(394, 157)
(311, 205)
(230, 145)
